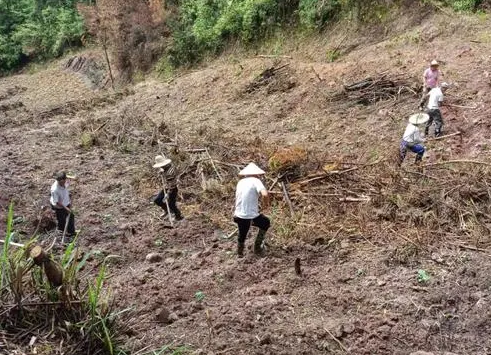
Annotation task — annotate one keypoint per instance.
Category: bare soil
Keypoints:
(358, 292)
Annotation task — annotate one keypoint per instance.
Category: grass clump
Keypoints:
(77, 314)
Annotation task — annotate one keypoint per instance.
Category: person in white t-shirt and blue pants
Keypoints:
(412, 139)
(249, 190)
(435, 100)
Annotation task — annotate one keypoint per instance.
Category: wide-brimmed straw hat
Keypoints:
(434, 63)
(252, 169)
(161, 161)
(419, 118)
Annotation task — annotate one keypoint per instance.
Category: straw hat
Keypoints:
(252, 169)
(161, 161)
(434, 63)
(419, 118)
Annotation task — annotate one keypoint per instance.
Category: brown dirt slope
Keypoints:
(359, 292)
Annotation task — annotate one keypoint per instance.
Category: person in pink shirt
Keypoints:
(431, 77)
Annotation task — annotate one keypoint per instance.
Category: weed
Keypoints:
(332, 55)
(6, 245)
(423, 276)
(199, 295)
(87, 140)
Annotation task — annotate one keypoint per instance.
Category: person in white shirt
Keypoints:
(249, 190)
(61, 204)
(435, 100)
(412, 139)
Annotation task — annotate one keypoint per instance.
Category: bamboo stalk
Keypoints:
(457, 161)
(213, 164)
(287, 198)
(444, 137)
(13, 244)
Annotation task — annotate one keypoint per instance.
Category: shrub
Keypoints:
(34, 29)
(205, 26)
(316, 13)
(464, 5)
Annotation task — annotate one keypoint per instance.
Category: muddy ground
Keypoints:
(358, 294)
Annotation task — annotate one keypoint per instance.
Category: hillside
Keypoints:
(362, 231)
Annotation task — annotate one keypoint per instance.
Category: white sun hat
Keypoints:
(419, 118)
(444, 85)
(252, 169)
(161, 161)
(434, 62)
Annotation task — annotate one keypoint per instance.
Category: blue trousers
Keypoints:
(419, 149)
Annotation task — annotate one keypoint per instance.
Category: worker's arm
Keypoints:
(265, 199)
(423, 100)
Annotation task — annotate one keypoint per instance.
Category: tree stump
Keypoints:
(53, 270)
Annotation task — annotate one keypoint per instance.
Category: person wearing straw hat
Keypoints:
(62, 205)
(412, 139)
(435, 100)
(431, 77)
(249, 190)
(169, 177)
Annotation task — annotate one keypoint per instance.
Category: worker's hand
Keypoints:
(68, 210)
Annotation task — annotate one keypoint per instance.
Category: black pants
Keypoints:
(261, 221)
(61, 216)
(159, 201)
(436, 117)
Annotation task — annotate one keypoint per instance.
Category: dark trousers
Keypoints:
(436, 117)
(261, 221)
(61, 216)
(172, 198)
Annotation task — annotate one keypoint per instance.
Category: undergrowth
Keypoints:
(76, 317)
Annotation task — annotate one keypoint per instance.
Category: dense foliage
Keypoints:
(43, 29)
(206, 26)
(36, 29)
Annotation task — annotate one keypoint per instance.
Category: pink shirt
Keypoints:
(431, 77)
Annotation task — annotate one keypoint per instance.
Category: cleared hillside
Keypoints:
(362, 227)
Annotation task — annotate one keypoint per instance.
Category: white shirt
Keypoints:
(436, 97)
(412, 134)
(247, 196)
(59, 194)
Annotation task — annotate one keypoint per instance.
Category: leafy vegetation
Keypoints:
(204, 27)
(40, 29)
(44, 29)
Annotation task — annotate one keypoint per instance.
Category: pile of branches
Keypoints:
(126, 131)
(343, 197)
(374, 89)
(273, 79)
